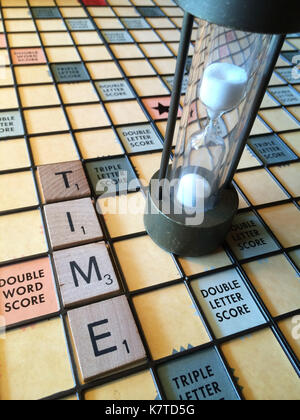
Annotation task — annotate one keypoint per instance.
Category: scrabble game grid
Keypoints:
(136, 41)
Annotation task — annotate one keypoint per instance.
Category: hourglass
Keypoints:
(192, 202)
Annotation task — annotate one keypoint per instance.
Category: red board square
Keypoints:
(94, 2)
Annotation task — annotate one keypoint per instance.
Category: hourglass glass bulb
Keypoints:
(222, 88)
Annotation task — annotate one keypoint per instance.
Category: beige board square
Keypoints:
(101, 11)
(164, 65)
(146, 166)
(142, 2)
(149, 86)
(139, 386)
(35, 362)
(36, 3)
(98, 143)
(119, 2)
(170, 321)
(126, 112)
(276, 80)
(105, 337)
(56, 38)
(142, 261)
(22, 235)
(295, 110)
(53, 149)
(145, 35)
(17, 190)
(277, 283)
(49, 25)
(62, 54)
(6, 78)
(72, 223)
(174, 47)
(88, 38)
(160, 22)
(75, 12)
(102, 71)
(124, 214)
(20, 3)
(169, 35)
(259, 127)
(155, 50)
(94, 53)
(109, 23)
(284, 222)
(259, 187)
(172, 11)
(72, 93)
(242, 202)
(4, 58)
(279, 120)
(8, 98)
(292, 140)
(137, 68)
(85, 273)
(254, 358)
(13, 155)
(288, 175)
(63, 181)
(126, 51)
(19, 40)
(87, 116)
(162, 126)
(291, 328)
(27, 75)
(67, 2)
(248, 160)
(16, 13)
(34, 96)
(19, 25)
(125, 11)
(198, 265)
(268, 102)
(45, 120)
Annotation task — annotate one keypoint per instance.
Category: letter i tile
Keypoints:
(72, 223)
(105, 337)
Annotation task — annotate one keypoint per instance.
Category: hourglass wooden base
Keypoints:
(179, 234)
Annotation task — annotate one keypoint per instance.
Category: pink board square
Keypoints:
(2, 41)
(158, 108)
(28, 56)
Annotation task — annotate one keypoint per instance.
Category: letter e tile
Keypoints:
(105, 337)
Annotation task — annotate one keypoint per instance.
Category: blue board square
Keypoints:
(227, 303)
(199, 376)
(270, 149)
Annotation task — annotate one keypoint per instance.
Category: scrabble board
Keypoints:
(90, 307)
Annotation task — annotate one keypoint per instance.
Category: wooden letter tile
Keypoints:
(84, 273)
(72, 223)
(105, 337)
(63, 181)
